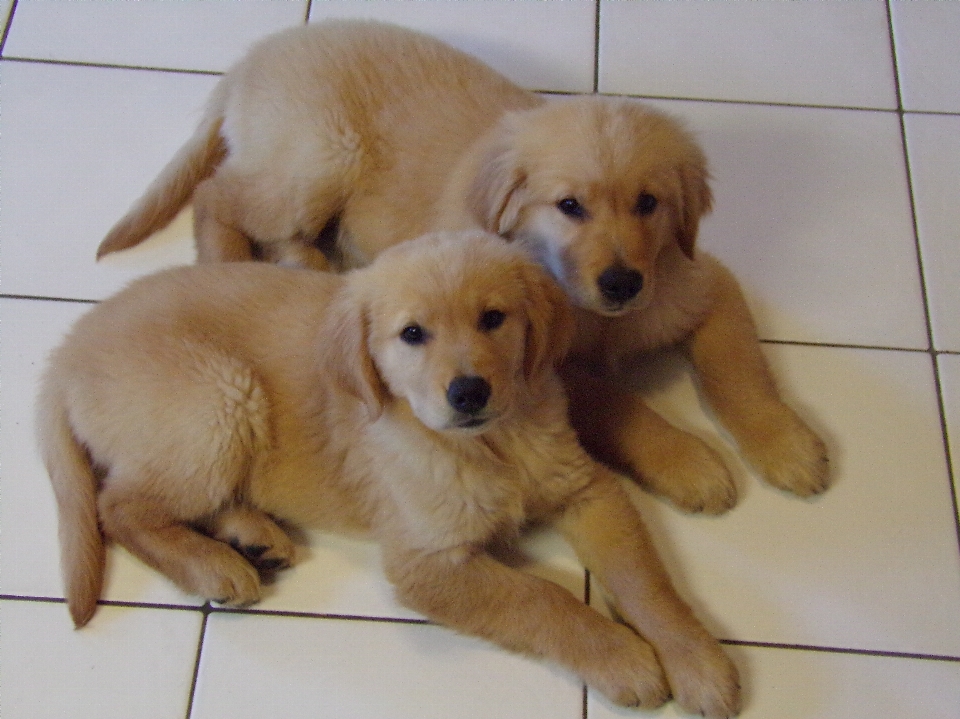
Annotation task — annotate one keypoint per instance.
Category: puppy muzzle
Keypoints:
(619, 287)
(468, 396)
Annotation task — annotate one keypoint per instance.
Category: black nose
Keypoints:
(468, 395)
(619, 284)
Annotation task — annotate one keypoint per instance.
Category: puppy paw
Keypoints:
(691, 475)
(629, 674)
(230, 580)
(703, 680)
(256, 537)
(790, 456)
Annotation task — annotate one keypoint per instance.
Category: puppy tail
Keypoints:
(82, 552)
(172, 189)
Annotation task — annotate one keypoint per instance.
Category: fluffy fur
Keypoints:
(355, 136)
(191, 413)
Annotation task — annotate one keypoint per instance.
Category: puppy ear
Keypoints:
(696, 200)
(495, 194)
(550, 322)
(345, 352)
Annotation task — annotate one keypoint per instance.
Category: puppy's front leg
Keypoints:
(617, 426)
(467, 590)
(612, 542)
(739, 386)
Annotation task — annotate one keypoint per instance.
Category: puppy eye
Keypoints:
(646, 204)
(571, 208)
(413, 335)
(491, 319)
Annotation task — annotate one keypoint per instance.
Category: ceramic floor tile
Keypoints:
(149, 33)
(281, 666)
(927, 35)
(933, 142)
(790, 684)
(812, 213)
(343, 576)
(541, 46)
(760, 51)
(29, 554)
(950, 384)
(871, 564)
(79, 145)
(125, 663)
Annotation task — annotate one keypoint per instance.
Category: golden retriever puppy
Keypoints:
(415, 400)
(356, 136)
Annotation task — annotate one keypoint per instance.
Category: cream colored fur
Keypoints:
(195, 410)
(357, 136)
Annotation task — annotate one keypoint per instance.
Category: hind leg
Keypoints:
(149, 530)
(214, 226)
(234, 211)
(255, 535)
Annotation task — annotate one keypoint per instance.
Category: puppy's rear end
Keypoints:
(130, 366)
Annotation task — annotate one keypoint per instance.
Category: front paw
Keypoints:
(704, 680)
(628, 673)
(789, 455)
(689, 473)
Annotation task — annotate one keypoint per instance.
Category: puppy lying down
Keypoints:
(415, 400)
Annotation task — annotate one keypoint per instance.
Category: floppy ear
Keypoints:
(550, 322)
(345, 352)
(695, 201)
(495, 194)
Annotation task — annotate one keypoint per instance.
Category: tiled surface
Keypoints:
(926, 33)
(755, 51)
(934, 144)
(299, 668)
(844, 606)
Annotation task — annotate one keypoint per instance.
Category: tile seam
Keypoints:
(924, 292)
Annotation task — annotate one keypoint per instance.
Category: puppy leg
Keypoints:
(471, 592)
(255, 535)
(196, 563)
(616, 425)
(611, 540)
(231, 211)
(737, 382)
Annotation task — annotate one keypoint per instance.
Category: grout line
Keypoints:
(306, 14)
(41, 298)
(596, 48)
(718, 101)
(247, 611)
(8, 23)
(840, 345)
(110, 66)
(844, 650)
(925, 295)
(207, 610)
(192, 693)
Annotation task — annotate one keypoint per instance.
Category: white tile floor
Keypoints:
(833, 128)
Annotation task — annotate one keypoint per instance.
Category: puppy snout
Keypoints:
(619, 284)
(468, 394)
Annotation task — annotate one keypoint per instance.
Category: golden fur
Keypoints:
(357, 135)
(192, 410)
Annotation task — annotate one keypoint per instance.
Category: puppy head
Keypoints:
(598, 189)
(457, 325)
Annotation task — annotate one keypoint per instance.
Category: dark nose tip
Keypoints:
(620, 284)
(468, 395)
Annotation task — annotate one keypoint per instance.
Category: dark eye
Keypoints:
(571, 208)
(491, 319)
(646, 204)
(413, 335)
